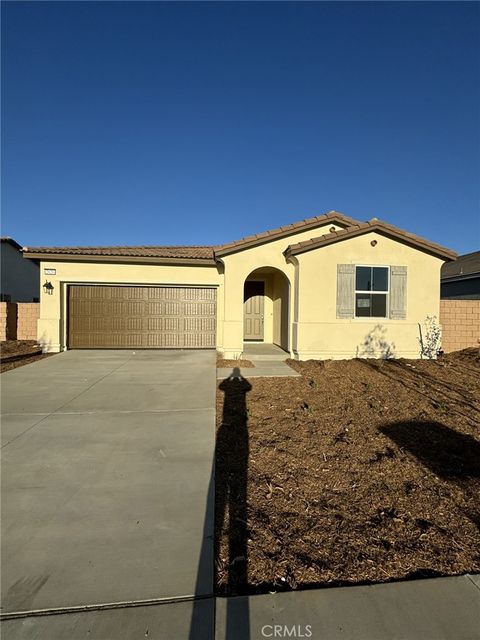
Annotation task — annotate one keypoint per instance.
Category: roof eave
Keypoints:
(460, 276)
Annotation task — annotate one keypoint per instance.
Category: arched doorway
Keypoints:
(266, 294)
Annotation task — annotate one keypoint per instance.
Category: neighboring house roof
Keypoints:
(466, 266)
(11, 241)
(378, 226)
(209, 254)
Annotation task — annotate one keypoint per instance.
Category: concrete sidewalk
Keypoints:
(176, 621)
(438, 609)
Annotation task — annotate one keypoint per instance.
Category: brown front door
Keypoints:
(254, 293)
(119, 317)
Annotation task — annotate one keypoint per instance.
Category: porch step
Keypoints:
(267, 358)
(264, 352)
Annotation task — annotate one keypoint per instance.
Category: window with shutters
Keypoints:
(371, 291)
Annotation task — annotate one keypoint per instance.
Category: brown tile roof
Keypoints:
(178, 253)
(378, 226)
(208, 254)
(464, 266)
(283, 232)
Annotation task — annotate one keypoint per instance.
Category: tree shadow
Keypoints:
(448, 453)
(451, 455)
(376, 345)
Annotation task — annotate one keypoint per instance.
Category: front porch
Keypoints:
(268, 361)
(263, 351)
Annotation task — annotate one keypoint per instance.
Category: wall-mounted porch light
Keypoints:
(48, 288)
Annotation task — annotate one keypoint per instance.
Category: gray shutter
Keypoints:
(345, 290)
(398, 293)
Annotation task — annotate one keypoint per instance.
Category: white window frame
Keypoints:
(383, 293)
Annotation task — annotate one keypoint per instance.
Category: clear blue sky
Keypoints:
(199, 123)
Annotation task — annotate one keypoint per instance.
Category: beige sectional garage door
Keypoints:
(116, 317)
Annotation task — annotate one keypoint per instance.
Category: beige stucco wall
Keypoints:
(320, 334)
(52, 324)
(300, 305)
(238, 266)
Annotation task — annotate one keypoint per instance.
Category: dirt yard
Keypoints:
(360, 471)
(16, 353)
(243, 364)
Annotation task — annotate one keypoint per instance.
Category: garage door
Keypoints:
(109, 317)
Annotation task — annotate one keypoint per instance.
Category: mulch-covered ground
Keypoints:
(17, 353)
(360, 471)
(243, 364)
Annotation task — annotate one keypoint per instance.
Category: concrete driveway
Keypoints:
(106, 479)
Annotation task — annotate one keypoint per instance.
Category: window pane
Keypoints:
(371, 305)
(363, 305)
(379, 305)
(380, 279)
(364, 279)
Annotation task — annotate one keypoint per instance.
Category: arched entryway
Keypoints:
(266, 294)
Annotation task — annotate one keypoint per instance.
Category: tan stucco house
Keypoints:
(326, 287)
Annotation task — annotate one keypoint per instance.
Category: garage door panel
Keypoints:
(164, 308)
(162, 325)
(199, 325)
(141, 317)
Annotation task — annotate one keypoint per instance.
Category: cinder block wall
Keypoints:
(27, 316)
(3, 321)
(8, 321)
(460, 320)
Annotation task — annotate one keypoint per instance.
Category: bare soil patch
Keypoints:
(17, 353)
(360, 471)
(242, 364)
